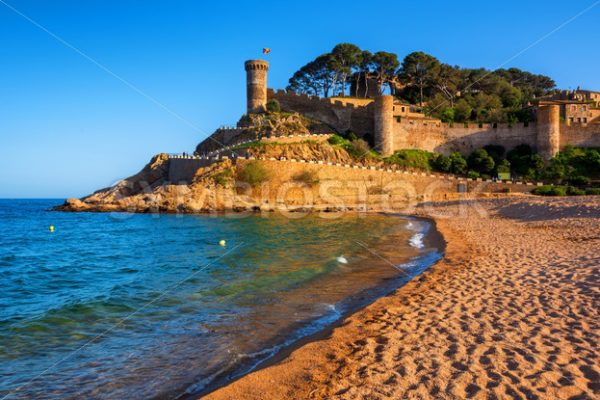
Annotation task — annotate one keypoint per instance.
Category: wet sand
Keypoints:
(512, 311)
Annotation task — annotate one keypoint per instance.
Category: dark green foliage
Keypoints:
(523, 161)
(579, 180)
(458, 163)
(473, 174)
(495, 151)
(548, 190)
(273, 105)
(451, 93)
(442, 163)
(462, 111)
(350, 135)
(253, 174)
(412, 158)
(338, 140)
(481, 161)
(573, 191)
(573, 163)
(503, 166)
(357, 148)
(593, 192)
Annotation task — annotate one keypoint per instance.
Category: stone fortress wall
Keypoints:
(340, 113)
(374, 118)
(391, 126)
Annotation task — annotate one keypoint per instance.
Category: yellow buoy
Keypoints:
(222, 243)
(51, 228)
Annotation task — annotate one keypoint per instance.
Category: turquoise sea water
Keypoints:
(141, 306)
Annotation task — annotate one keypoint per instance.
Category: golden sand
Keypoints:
(512, 311)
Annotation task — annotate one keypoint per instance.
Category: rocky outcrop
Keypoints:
(263, 125)
(307, 150)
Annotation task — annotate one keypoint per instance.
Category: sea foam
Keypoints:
(417, 240)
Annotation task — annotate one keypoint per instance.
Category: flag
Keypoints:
(266, 50)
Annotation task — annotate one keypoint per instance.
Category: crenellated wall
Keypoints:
(368, 118)
(340, 114)
(432, 135)
(580, 135)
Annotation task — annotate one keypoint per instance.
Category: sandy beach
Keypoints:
(512, 311)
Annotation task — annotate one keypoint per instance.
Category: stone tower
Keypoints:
(383, 121)
(256, 85)
(548, 130)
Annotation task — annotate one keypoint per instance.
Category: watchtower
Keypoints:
(256, 85)
(383, 119)
(548, 130)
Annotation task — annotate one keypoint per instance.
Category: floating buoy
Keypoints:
(222, 243)
(51, 229)
(342, 260)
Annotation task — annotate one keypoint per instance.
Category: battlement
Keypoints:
(301, 99)
(256, 65)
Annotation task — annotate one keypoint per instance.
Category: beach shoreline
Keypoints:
(496, 323)
(433, 247)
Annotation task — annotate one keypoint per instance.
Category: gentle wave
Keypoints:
(416, 240)
(191, 324)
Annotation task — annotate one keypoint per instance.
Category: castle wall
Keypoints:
(579, 135)
(432, 135)
(340, 113)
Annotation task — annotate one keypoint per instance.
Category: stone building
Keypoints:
(391, 125)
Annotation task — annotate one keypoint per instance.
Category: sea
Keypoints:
(124, 306)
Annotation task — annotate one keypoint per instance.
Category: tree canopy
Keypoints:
(451, 93)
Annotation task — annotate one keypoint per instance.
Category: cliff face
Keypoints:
(211, 189)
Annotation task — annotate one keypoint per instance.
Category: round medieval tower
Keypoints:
(383, 119)
(256, 85)
(548, 130)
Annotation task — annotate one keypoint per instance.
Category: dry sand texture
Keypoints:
(512, 311)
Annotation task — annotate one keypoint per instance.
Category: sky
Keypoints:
(90, 90)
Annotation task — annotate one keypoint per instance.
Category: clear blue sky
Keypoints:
(68, 127)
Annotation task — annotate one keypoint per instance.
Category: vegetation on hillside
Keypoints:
(253, 173)
(451, 93)
(357, 149)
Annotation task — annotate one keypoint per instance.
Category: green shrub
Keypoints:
(495, 151)
(459, 164)
(359, 149)
(273, 105)
(441, 163)
(473, 174)
(307, 177)
(412, 158)
(481, 161)
(574, 162)
(224, 177)
(593, 191)
(548, 190)
(503, 166)
(573, 191)
(337, 140)
(579, 180)
(350, 135)
(253, 173)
